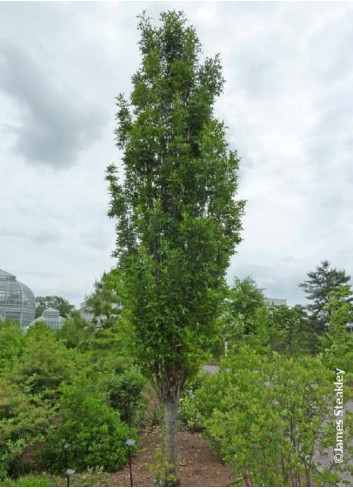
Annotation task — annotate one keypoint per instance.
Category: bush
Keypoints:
(31, 480)
(268, 417)
(124, 394)
(191, 405)
(45, 363)
(11, 343)
(24, 420)
(92, 478)
(94, 430)
(119, 381)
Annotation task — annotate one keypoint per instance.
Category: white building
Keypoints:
(275, 302)
(51, 317)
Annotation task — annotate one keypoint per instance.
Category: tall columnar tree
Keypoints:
(177, 218)
(318, 287)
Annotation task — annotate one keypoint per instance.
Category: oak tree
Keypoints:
(177, 218)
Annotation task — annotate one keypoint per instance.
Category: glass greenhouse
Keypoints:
(16, 300)
(51, 317)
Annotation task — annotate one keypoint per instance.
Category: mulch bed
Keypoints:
(199, 467)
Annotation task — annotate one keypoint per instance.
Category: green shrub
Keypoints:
(91, 478)
(94, 430)
(24, 420)
(11, 343)
(269, 416)
(45, 363)
(31, 480)
(124, 394)
(191, 408)
(119, 381)
(189, 414)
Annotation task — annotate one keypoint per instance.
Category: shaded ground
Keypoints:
(199, 467)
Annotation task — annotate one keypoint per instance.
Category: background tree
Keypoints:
(295, 329)
(55, 302)
(240, 312)
(104, 303)
(337, 344)
(76, 332)
(177, 220)
(320, 283)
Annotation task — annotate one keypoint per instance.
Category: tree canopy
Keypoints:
(318, 287)
(55, 302)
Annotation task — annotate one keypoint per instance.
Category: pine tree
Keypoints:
(320, 284)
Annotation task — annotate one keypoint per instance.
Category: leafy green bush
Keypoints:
(119, 381)
(31, 480)
(11, 343)
(91, 478)
(124, 394)
(94, 430)
(191, 408)
(45, 362)
(268, 416)
(24, 420)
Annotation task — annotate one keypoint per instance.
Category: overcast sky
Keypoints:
(288, 104)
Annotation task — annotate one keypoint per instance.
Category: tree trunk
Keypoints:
(171, 442)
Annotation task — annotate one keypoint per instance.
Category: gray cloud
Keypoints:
(41, 237)
(55, 123)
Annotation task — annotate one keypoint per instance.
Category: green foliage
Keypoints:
(105, 302)
(162, 471)
(265, 416)
(192, 407)
(38, 404)
(91, 478)
(245, 319)
(24, 420)
(31, 480)
(45, 362)
(124, 394)
(294, 330)
(189, 414)
(337, 344)
(11, 343)
(243, 302)
(117, 338)
(119, 381)
(318, 287)
(76, 332)
(177, 220)
(55, 302)
(94, 430)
